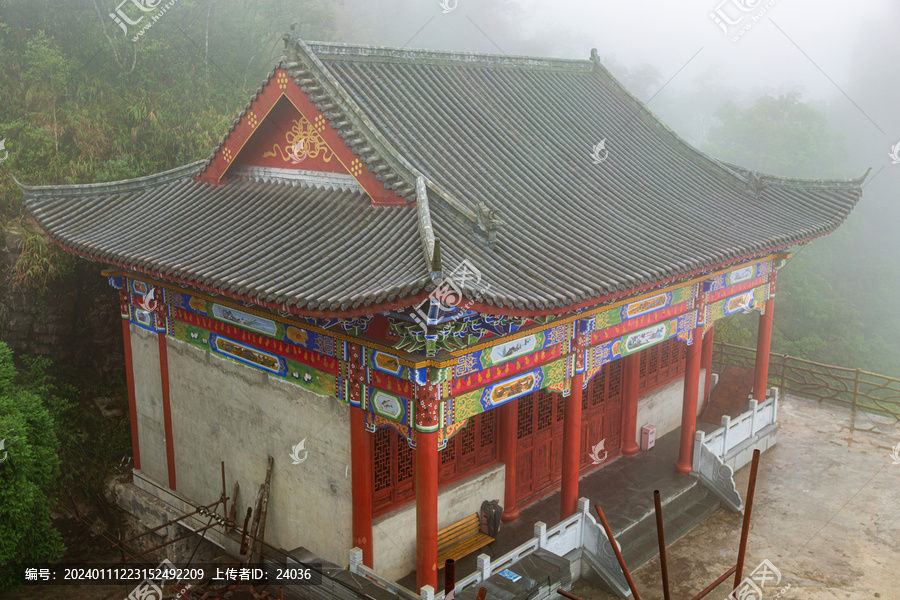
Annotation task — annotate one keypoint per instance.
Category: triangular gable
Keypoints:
(281, 128)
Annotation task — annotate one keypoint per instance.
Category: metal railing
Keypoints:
(856, 388)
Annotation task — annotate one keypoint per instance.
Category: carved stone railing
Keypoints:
(721, 452)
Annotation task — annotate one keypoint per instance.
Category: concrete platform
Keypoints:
(825, 515)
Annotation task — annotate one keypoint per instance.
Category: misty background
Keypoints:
(809, 90)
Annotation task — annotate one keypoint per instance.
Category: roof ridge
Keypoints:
(481, 220)
(180, 172)
(338, 50)
(786, 182)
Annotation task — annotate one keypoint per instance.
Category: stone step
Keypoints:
(681, 513)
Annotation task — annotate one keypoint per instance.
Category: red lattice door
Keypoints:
(601, 410)
(539, 445)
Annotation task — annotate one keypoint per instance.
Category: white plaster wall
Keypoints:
(148, 395)
(394, 534)
(662, 406)
(222, 410)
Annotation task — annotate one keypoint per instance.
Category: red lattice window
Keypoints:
(394, 470)
(661, 364)
(525, 421)
(545, 410)
(614, 372)
(468, 451)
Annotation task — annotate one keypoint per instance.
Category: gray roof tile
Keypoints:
(483, 132)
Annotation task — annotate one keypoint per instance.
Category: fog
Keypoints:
(839, 58)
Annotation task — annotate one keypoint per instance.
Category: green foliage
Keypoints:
(28, 475)
(39, 263)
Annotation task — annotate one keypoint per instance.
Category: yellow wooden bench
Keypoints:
(460, 539)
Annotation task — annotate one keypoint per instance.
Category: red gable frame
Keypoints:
(271, 111)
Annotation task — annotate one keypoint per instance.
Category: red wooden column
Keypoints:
(572, 429)
(509, 421)
(630, 382)
(426, 483)
(361, 459)
(706, 356)
(689, 405)
(763, 343)
(167, 406)
(129, 374)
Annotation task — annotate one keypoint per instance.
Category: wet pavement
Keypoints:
(826, 515)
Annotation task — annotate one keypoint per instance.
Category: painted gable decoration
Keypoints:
(283, 129)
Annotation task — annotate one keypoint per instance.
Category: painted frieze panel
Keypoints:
(503, 360)
(599, 355)
(640, 313)
(753, 299)
(745, 277)
(245, 319)
(485, 398)
(303, 374)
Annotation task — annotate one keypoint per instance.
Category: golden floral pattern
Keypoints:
(302, 136)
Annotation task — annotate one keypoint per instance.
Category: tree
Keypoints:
(27, 474)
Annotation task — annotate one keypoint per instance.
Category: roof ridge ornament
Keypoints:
(755, 183)
(487, 221)
(430, 245)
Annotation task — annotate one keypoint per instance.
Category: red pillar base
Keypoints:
(689, 404)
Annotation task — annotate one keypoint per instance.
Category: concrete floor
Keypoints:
(826, 514)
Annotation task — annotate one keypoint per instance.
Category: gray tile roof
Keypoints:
(503, 147)
(266, 235)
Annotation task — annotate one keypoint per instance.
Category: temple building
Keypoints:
(453, 277)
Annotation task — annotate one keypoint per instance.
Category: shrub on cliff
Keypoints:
(28, 472)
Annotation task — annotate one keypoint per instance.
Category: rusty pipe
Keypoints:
(745, 527)
(716, 583)
(663, 565)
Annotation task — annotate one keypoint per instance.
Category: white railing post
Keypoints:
(540, 532)
(426, 593)
(584, 507)
(483, 564)
(699, 438)
(754, 404)
(356, 558)
(726, 424)
(775, 406)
